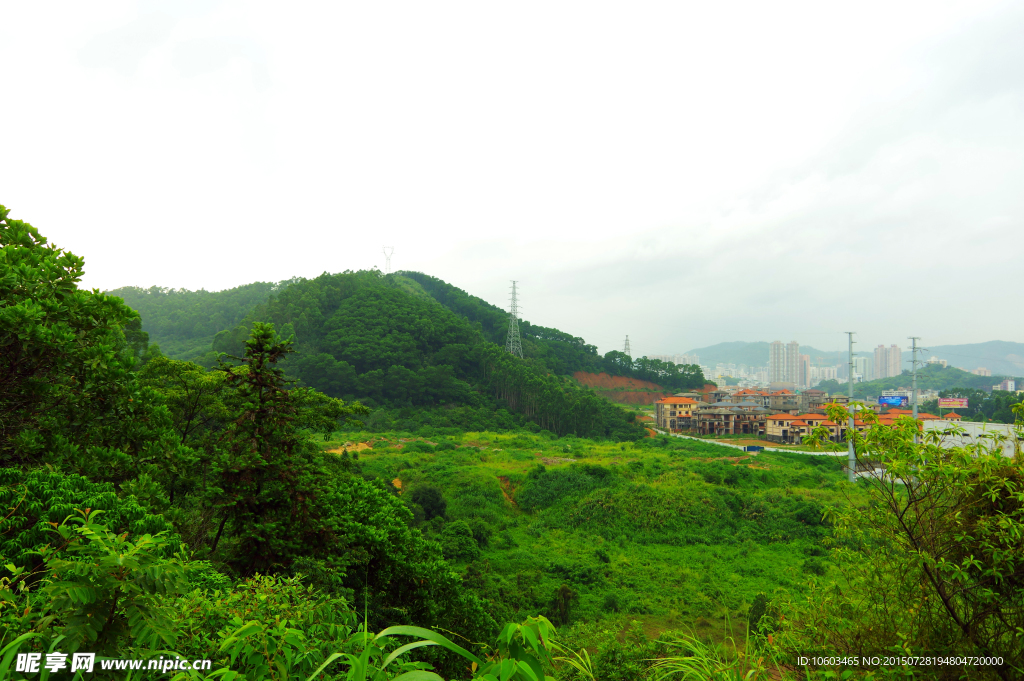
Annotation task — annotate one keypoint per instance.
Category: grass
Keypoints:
(673, 533)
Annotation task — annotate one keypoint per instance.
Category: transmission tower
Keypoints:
(512, 342)
(388, 250)
(625, 350)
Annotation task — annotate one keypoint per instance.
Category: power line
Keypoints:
(851, 428)
(513, 344)
(913, 372)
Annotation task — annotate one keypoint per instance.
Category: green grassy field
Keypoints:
(669, 532)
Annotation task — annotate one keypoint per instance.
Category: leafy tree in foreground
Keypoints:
(938, 549)
(64, 361)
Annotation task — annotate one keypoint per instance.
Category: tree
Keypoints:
(429, 498)
(938, 549)
(67, 391)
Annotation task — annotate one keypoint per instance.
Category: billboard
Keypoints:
(893, 400)
(953, 402)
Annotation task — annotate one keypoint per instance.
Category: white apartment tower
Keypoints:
(784, 362)
(888, 361)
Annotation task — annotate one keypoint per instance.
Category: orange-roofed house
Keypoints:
(784, 400)
(675, 413)
(749, 395)
(791, 429)
(952, 416)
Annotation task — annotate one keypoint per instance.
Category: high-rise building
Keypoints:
(895, 360)
(804, 371)
(783, 362)
(861, 369)
(888, 361)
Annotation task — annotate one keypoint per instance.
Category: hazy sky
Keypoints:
(685, 173)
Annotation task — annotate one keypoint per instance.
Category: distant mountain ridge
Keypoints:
(1000, 357)
(755, 354)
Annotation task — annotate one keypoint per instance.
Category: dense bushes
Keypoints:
(544, 488)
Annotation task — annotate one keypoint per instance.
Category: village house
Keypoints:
(675, 413)
(750, 395)
(784, 400)
(731, 418)
(792, 428)
(814, 399)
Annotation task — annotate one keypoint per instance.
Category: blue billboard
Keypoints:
(894, 400)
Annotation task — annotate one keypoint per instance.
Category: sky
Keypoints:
(685, 173)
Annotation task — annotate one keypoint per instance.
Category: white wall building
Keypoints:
(974, 433)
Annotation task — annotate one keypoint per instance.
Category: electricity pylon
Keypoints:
(388, 250)
(626, 350)
(513, 344)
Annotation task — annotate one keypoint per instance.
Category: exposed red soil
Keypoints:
(603, 380)
(358, 447)
(631, 396)
(507, 490)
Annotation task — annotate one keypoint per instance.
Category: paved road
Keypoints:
(740, 447)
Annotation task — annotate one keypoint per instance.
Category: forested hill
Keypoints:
(929, 377)
(386, 342)
(560, 352)
(407, 340)
(183, 323)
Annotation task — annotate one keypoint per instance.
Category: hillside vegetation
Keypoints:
(408, 340)
(157, 510)
(929, 377)
(183, 323)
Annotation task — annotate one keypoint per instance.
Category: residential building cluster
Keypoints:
(784, 416)
(1009, 385)
(789, 368)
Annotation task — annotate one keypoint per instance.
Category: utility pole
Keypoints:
(913, 371)
(851, 428)
(513, 344)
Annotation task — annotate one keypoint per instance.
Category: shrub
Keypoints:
(430, 499)
(457, 542)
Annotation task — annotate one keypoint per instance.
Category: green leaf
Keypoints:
(418, 675)
(404, 649)
(430, 636)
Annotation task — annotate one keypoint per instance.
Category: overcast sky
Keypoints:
(685, 173)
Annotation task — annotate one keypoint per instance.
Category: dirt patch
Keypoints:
(357, 447)
(734, 459)
(606, 382)
(651, 433)
(397, 482)
(552, 460)
(748, 443)
(632, 397)
(507, 490)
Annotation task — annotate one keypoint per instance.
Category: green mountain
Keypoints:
(929, 377)
(756, 354)
(999, 357)
(183, 323)
(407, 340)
